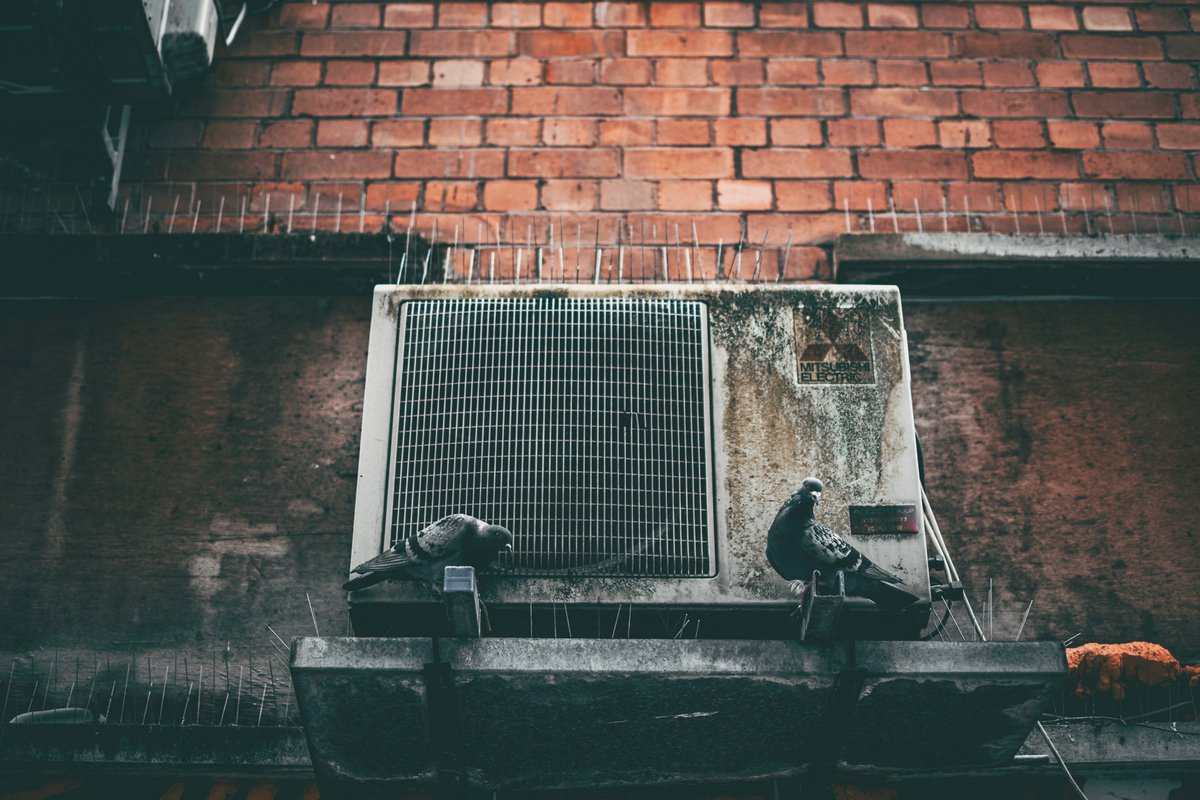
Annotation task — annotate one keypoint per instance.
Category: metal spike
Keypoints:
(917, 208)
(242, 218)
(220, 213)
(338, 225)
(316, 630)
(187, 701)
(696, 247)
(149, 205)
(316, 211)
(237, 716)
(163, 703)
(267, 213)
(967, 209)
(1037, 204)
(895, 220)
(870, 214)
(1062, 216)
(846, 209)
(759, 256)
(196, 217)
(125, 215)
(945, 216)
(291, 211)
(787, 250)
(174, 212)
(262, 705)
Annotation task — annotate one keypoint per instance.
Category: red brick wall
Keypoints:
(755, 119)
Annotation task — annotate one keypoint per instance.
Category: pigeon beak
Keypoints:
(816, 496)
(508, 549)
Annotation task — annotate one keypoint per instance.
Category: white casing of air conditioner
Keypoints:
(770, 428)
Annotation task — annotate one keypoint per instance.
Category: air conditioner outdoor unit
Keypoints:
(638, 441)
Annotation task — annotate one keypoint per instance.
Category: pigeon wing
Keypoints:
(870, 569)
(443, 539)
(823, 545)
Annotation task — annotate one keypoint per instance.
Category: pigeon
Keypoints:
(797, 545)
(456, 540)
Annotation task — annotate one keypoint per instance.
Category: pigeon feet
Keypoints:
(797, 588)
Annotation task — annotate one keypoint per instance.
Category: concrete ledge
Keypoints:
(1045, 264)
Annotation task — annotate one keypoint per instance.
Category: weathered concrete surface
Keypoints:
(585, 712)
(1062, 462)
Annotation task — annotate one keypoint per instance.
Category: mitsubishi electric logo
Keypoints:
(833, 345)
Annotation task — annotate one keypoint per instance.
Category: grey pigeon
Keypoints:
(457, 540)
(797, 545)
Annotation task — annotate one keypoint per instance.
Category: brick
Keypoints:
(353, 44)
(563, 164)
(681, 43)
(1123, 104)
(573, 71)
(892, 15)
(170, 134)
(735, 195)
(291, 133)
(1178, 136)
(349, 73)
(906, 163)
(737, 72)
(991, 104)
(516, 15)
(242, 73)
(740, 131)
(1035, 197)
(909, 133)
(1187, 198)
(515, 72)
(1073, 135)
(1161, 19)
(626, 196)
(898, 44)
(229, 103)
(626, 132)
(847, 73)
(913, 195)
(403, 73)
(955, 73)
(789, 102)
(1099, 18)
(559, 132)
(1137, 166)
(344, 102)
(452, 196)
(578, 44)
(1053, 18)
(269, 43)
(625, 71)
(1168, 76)
(994, 16)
(513, 132)
(685, 196)
(1046, 165)
(903, 102)
(781, 72)
(682, 132)
(472, 44)
(803, 229)
(296, 73)
(510, 195)
(1128, 48)
(782, 163)
(620, 15)
(398, 133)
(332, 164)
(1184, 48)
(677, 102)
(408, 15)
(448, 163)
(393, 195)
(803, 195)
(453, 102)
(837, 15)
(343, 133)
(853, 132)
(679, 163)
(900, 73)
(944, 15)
(796, 133)
(1060, 74)
(675, 15)
(567, 15)
(788, 44)
(355, 15)
(681, 72)
(729, 15)
(1007, 74)
(782, 15)
(964, 134)
(1018, 134)
(1114, 75)
(457, 73)
(1127, 136)
(564, 195)
(455, 132)
(304, 15)
(1004, 45)
(462, 15)
(548, 101)
(860, 195)
(229, 135)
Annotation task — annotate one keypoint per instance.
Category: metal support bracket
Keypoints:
(822, 611)
(461, 598)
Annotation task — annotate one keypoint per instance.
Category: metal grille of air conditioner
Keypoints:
(579, 423)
